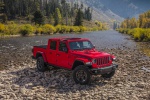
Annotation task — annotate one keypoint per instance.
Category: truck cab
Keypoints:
(77, 54)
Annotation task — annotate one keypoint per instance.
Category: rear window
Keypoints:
(53, 45)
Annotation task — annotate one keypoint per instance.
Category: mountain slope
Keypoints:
(100, 13)
(123, 8)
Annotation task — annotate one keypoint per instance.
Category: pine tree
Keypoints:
(133, 23)
(79, 18)
(123, 24)
(23, 8)
(58, 18)
(51, 19)
(38, 18)
(2, 7)
(89, 15)
(4, 18)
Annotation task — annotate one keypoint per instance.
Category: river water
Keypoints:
(19, 48)
(101, 39)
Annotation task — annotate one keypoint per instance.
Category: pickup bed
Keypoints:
(41, 46)
(75, 54)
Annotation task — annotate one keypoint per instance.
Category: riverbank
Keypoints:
(139, 34)
(14, 29)
(21, 80)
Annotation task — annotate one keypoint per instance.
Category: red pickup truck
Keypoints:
(75, 54)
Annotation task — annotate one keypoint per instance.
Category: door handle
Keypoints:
(58, 54)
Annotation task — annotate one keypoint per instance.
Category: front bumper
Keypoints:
(104, 70)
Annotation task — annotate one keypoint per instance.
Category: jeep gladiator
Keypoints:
(77, 54)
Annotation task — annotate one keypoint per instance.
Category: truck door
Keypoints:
(51, 52)
(62, 55)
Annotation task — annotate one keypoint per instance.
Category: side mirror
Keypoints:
(94, 46)
(65, 49)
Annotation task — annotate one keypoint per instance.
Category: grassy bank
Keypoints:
(12, 29)
(139, 34)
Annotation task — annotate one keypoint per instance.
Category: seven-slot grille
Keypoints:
(103, 60)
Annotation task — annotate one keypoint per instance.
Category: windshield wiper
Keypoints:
(77, 49)
(87, 48)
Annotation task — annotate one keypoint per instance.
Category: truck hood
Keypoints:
(90, 53)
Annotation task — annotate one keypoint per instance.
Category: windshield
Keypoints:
(80, 45)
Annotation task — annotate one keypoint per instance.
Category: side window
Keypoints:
(53, 45)
(86, 44)
(62, 46)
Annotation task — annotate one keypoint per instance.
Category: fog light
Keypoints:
(114, 59)
(88, 63)
(96, 71)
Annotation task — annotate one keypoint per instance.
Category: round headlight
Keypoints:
(94, 61)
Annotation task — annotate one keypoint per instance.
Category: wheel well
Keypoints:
(38, 55)
(77, 63)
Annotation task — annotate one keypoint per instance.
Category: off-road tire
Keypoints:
(41, 66)
(85, 78)
(109, 75)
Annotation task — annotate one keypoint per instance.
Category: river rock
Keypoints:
(22, 81)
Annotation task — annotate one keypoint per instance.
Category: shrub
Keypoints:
(120, 30)
(47, 29)
(76, 29)
(147, 35)
(67, 28)
(58, 28)
(82, 28)
(130, 32)
(38, 30)
(89, 29)
(2, 27)
(26, 29)
(71, 29)
(11, 22)
(138, 34)
(11, 29)
(95, 29)
(63, 29)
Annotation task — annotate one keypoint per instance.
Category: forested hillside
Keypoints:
(138, 28)
(25, 8)
(46, 17)
(100, 12)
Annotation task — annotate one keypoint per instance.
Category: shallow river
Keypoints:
(22, 80)
(19, 48)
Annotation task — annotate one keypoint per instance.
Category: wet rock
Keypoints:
(134, 97)
(29, 84)
(141, 85)
(119, 85)
(13, 96)
(23, 91)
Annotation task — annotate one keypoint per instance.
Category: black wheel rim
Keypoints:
(81, 76)
(39, 64)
